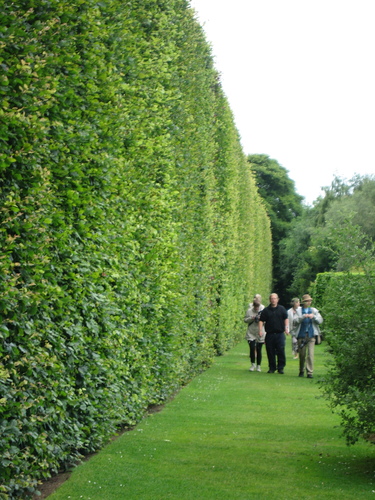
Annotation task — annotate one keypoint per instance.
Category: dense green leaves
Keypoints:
(132, 232)
(347, 304)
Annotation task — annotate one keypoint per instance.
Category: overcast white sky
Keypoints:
(299, 76)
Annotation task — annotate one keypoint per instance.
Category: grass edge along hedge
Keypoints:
(132, 232)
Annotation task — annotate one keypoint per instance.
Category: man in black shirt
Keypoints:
(274, 318)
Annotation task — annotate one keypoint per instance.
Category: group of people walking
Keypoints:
(270, 325)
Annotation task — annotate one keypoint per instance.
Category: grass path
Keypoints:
(232, 434)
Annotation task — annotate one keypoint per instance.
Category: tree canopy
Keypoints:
(311, 247)
(283, 205)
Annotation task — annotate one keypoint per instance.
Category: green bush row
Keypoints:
(132, 233)
(347, 305)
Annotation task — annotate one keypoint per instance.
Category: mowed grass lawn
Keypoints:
(232, 434)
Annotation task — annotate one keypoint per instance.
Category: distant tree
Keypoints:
(335, 191)
(283, 205)
(362, 204)
(309, 248)
(301, 259)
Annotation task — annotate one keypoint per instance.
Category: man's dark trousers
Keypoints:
(275, 346)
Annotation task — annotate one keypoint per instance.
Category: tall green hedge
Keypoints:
(132, 234)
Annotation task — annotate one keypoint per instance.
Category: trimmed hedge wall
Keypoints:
(132, 233)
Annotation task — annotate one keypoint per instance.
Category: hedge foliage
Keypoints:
(132, 233)
(346, 301)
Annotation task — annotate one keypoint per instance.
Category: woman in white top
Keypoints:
(252, 335)
(294, 317)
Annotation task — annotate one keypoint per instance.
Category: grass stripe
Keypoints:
(232, 434)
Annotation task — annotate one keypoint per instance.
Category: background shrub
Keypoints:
(346, 302)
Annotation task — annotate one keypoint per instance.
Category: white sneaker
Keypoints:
(259, 369)
(252, 367)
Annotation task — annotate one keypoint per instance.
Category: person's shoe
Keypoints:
(259, 368)
(252, 367)
(301, 374)
(281, 372)
(309, 375)
(271, 371)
